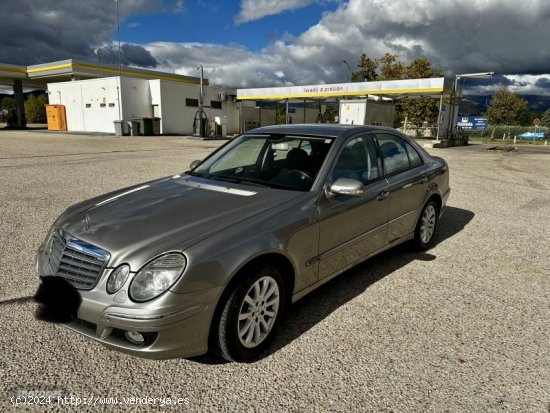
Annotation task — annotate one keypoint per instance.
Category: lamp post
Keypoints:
(201, 83)
(118, 34)
(456, 95)
(350, 75)
(201, 102)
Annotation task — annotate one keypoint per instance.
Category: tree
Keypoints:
(366, 69)
(389, 67)
(420, 110)
(7, 103)
(545, 119)
(386, 67)
(506, 108)
(35, 109)
(529, 117)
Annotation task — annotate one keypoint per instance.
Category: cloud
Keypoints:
(257, 9)
(130, 55)
(529, 84)
(43, 31)
(484, 35)
(178, 7)
(457, 37)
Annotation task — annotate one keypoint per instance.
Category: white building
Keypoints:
(94, 105)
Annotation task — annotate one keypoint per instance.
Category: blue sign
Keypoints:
(472, 123)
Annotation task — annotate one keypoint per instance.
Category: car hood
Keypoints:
(136, 224)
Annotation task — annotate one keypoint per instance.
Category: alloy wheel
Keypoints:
(258, 311)
(427, 227)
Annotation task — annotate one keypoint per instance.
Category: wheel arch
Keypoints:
(436, 197)
(277, 260)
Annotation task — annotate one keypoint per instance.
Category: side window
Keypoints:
(357, 161)
(397, 154)
(414, 157)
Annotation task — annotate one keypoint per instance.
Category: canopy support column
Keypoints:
(19, 104)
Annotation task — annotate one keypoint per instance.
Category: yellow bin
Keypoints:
(57, 120)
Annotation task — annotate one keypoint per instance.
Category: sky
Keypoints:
(263, 43)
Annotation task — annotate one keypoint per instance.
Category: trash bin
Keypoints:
(146, 126)
(118, 127)
(56, 117)
(156, 126)
(134, 128)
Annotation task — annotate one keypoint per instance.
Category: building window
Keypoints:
(216, 104)
(191, 102)
(88, 105)
(111, 105)
(102, 105)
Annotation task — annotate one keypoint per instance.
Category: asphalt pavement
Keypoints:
(463, 327)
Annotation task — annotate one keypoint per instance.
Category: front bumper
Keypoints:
(173, 325)
(180, 330)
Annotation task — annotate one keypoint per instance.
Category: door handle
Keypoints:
(382, 195)
(423, 180)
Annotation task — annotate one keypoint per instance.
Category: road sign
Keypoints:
(536, 122)
(475, 123)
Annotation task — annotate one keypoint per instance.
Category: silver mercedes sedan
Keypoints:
(209, 259)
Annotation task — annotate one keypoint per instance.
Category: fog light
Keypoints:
(134, 337)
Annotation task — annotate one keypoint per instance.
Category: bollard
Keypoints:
(515, 139)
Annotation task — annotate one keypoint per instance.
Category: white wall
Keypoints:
(177, 117)
(91, 105)
(137, 97)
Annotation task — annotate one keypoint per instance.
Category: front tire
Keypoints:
(250, 315)
(426, 226)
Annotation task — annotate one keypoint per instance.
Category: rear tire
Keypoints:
(250, 316)
(426, 226)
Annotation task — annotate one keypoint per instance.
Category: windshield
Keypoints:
(278, 161)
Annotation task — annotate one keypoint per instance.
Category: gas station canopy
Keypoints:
(37, 76)
(430, 87)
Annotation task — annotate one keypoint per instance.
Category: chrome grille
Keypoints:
(76, 261)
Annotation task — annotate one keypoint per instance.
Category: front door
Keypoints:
(353, 227)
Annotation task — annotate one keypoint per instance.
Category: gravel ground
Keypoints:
(463, 327)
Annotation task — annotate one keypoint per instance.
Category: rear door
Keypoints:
(407, 177)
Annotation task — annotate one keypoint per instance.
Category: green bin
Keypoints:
(145, 126)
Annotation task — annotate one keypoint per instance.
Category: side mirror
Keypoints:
(194, 164)
(345, 186)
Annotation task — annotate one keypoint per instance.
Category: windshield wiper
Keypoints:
(237, 180)
(228, 178)
(225, 178)
(199, 174)
(255, 183)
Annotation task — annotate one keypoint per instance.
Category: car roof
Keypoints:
(319, 129)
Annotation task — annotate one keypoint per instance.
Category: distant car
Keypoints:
(210, 258)
(532, 136)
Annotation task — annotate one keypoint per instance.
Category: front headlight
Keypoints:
(156, 277)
